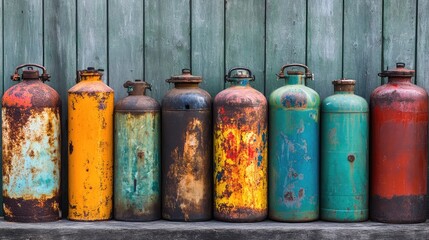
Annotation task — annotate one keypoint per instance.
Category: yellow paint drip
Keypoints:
(90, 109)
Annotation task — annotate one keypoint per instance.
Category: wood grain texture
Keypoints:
(1, 91)
(285, 40)
(324, 47)
(207, 54)
(422, 50)
(362, 44)
(125, 43)
(245, 37)
(399, 33)
(92, 35)
(60, 61)
(23, 35)
(167, 42)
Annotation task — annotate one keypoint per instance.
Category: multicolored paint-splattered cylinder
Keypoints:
(137, 175)
(344, 155)
(90, 148)
(186, 150)
(294, 149)
(399, 155)
(31, 148)
(240, 151)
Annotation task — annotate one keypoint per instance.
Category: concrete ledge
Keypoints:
(164, 230)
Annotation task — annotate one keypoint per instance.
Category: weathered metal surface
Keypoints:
(240, 151)
(137, 175)
(90, 148)
(294, 149)
(344, 155)
(399, 126)
(186, 151)
(31, 155)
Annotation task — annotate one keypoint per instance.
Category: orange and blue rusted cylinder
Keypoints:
(344, 155)
(186, 125)
(90, 147)
(294, 148)
(240, 150)
(31, 148)
(399, 128)
(137, 137)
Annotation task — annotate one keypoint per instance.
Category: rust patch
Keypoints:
(31, 210)
(289, 196)
(351, 158)
(70, 148)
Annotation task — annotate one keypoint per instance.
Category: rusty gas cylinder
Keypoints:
(31, 148)
(90, 147)
(137, 175)
(399, 126)
(186, 150)
(240, 150)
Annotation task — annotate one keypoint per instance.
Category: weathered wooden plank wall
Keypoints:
(153, 40)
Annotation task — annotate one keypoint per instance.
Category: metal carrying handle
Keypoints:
(229, 78)
(44, 77)
(130, 84)
(308, 73)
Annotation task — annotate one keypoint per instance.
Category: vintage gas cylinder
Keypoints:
(31, 148)
(137, 175)
(186, 150)
(90, 147)
(294, 149)
(344, 155)
(240, 150)
(399, 127)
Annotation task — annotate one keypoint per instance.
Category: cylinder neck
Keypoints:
(399, 80)
(186, 85)
(90, 77)
(295, 79)
(241, 82)
(344, 89)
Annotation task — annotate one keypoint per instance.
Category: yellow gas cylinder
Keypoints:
(90, 147)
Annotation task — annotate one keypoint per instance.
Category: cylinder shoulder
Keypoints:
(137, 103)
(344, 103)
(406, 92)
(240, 95)
(31, 94)
(187, 99)
(294, 96)
(90, 86)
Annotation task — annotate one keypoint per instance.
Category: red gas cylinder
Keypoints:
(399, 128)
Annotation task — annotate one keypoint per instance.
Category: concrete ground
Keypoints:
(267, 230)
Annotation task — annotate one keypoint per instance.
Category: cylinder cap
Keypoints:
(138, 87)
(399, 71)
(295, 73)
(344, 85)
(30, 74)
(185, 77)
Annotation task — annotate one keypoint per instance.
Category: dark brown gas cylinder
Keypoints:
(31, 149)
(399, 128)
(186, 125)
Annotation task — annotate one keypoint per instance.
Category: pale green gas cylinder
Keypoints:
(344, 155)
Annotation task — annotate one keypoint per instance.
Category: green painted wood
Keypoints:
(245, 37)
(60, 61)
(207, 35)
(125, 43)
(324, 46)
(286, 38)
(167, 42)
(422, 49)
(362, 44)
(1, 91)
(92, 35)
(399, 31)
(23, 35)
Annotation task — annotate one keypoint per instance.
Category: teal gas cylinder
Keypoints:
(294, 149)
(137, 175)
(344, 155)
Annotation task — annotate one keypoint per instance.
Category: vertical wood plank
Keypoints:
(125, 43)
(324, 46)
(245, 37)
(23, 38)
(208, 43)
(399, 33)
(1, 91)
(60, 61)
(167, 42)
(92, 35)
(422, 50)
(286, 38)
(362, 44)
